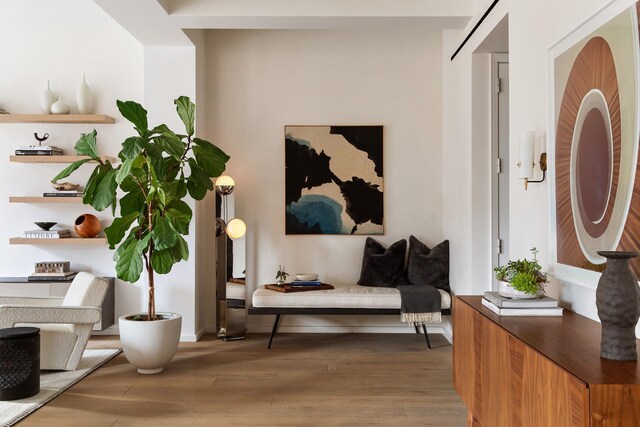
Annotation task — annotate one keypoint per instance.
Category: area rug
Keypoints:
(52, 383)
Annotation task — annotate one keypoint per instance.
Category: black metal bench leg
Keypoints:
(415, 325)
(274, 329)
(426, 335)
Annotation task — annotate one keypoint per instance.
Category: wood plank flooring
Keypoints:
(305, 379)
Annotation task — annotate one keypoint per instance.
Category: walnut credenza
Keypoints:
(538, 371)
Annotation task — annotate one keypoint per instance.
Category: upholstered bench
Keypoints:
(342, 300)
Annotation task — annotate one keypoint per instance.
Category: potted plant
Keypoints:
(522, 278)
(158, 170)
(281, 276)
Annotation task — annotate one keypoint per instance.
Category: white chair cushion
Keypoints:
(235, 291)
(342, 296)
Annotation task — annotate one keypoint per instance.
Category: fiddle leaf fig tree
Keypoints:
(158, 170)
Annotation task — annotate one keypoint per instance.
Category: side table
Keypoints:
(19, 363)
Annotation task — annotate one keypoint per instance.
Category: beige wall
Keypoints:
(260, 81)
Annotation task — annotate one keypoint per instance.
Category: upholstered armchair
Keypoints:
(65, 323)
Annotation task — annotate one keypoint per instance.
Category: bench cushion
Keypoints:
(342, 296)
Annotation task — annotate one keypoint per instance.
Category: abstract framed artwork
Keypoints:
(334, 180)
(593, 132)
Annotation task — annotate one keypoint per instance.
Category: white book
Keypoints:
(40, 148)
(557, 311)
(504, 302)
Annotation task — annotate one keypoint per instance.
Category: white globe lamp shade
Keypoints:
(236, 228)
(224, 185)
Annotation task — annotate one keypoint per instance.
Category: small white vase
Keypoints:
(60, 107)
(149, 346)
(47, 99)
(84, 97)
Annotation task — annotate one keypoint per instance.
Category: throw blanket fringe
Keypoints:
(422, 317)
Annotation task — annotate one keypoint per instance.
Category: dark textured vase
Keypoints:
(618, 302)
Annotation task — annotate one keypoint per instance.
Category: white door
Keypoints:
(500, 158)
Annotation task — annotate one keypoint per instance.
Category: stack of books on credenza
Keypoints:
(52, 271)
(39, 150)
(503, 306)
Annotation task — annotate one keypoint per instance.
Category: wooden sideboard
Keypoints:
(538, 371)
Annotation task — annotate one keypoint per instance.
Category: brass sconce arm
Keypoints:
(543, 168)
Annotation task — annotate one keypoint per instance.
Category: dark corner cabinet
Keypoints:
(539, 371)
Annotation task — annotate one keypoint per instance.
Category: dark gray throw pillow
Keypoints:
(428, 266)
(383, 267)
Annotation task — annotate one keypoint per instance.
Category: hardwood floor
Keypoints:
(305, 379)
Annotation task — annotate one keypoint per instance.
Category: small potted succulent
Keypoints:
(522, 279)
(281, 276)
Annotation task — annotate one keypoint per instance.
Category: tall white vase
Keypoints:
(84, 97)
(60, 107)
(47, 99)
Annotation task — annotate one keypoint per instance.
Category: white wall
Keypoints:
(533, 28)
(260, 81)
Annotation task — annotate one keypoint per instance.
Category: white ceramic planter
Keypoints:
(506, 290)
(149, 346)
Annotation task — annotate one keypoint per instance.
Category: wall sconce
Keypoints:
(526, 163)
(236, 228)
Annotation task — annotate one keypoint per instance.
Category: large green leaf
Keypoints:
(212, 159)
(125, 244)
(136, 114)
(180, 215)
(105, 193)
(132, 146)
(70, 169)
(87, 146)
(162, 261)
(171, 144)
(181, 250)
(129, 263)
(118, 228)
(187, 112)
(92, 184)
(164, 235)
(123, 170)
(199, 182)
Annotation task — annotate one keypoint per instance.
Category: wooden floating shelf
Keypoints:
(54, 159)
(100, 119)
(40, 199)
(95, 241)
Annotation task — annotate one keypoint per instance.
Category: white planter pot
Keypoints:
(506, 290)
(149, 346)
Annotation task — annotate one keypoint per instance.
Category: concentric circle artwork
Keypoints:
(597, 196)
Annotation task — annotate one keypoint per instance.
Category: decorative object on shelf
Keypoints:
(84, 97)
(47, 99)
(46, 226)
(60, 107)
(235, 228)
(281, 276)
(618, 302)
(522, 279)
(307, 277)
(2, 111)
(65, 186)
(87, 226)
(334, 180)
(40, 139)
(152, 241)
(593, 133)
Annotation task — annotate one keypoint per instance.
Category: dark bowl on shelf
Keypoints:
(45, 225)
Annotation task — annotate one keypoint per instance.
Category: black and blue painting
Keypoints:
(334, 180)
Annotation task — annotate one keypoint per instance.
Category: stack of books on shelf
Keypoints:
(305, 283)
(503, 306)
(39, 150)
(64, 193)
(52, 271)
(47, 234)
